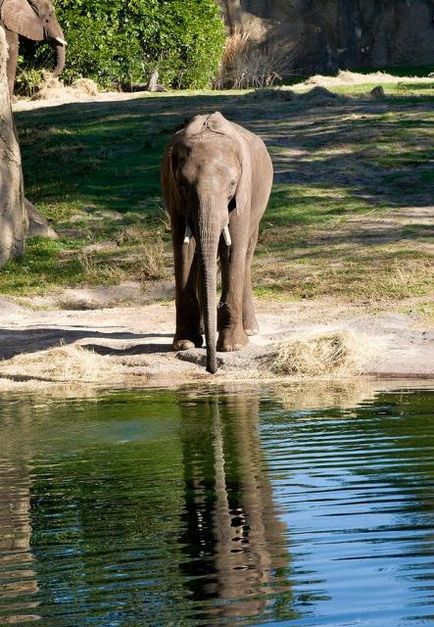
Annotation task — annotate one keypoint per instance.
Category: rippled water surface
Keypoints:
(175, 508)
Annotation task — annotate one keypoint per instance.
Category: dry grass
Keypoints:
(339, 353)
(245, 65)
(346, 77)
(150, 261)
(52, 88)
(71, 363)
(148, 253)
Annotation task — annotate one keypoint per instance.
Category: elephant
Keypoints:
(216, 180)
(34, 19)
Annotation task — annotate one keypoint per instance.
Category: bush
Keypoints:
(123, 41)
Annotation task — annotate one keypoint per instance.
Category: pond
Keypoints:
(219, 506)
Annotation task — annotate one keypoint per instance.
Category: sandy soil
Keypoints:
(132, 345)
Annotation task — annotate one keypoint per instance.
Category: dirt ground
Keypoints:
(131, 345)
(41, 338)
(53, 93)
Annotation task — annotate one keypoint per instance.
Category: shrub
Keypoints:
(123, 41)
(28, 82)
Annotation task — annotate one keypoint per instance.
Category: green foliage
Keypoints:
(28, 81)
(123, 41)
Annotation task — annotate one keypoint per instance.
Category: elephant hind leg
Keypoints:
(229, 315)
(250, 323)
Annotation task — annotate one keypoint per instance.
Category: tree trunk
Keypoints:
(13, 216)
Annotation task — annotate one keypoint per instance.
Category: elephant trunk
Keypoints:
(60, 58)
(208, 241)
(54, 34)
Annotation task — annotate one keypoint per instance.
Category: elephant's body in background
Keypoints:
(216, 180)
(36, 20)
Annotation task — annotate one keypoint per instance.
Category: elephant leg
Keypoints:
(232, 336)
(187, 333)
(250, 323)
(11, 67)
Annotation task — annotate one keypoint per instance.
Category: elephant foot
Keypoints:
(186, 344)
(229, 342)
(250, 323)
(252, 331)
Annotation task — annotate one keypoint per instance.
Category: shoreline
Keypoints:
(130, 347)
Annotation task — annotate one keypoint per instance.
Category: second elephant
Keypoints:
(36, 20)
(216, 180)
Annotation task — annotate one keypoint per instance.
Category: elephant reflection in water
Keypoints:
(18, 576)
(232, 531)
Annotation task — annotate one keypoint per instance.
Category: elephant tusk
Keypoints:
(227, 236)
(188, 235)
(61, 41)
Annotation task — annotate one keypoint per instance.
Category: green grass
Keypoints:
(336, 225)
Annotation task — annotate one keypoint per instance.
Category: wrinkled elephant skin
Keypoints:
(216, 180)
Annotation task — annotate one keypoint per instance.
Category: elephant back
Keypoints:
(214, 122)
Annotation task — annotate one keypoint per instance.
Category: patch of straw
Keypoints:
(70, 363)
(346, 77)
(340, 353)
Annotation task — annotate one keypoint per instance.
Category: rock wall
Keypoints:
(325, 35)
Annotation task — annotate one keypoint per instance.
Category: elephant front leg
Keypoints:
(232, 336)
(187, 333)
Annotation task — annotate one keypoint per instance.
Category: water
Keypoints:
(181, 508)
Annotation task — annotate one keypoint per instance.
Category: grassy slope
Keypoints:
(354, 179)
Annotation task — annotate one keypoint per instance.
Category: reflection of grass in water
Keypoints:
(344, 394)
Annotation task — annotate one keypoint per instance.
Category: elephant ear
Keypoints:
(173, 199)
(243, 195)
(19, 17)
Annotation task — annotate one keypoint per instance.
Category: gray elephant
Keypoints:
(34, 19)
(216, 180)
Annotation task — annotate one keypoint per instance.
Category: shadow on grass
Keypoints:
(338, 156)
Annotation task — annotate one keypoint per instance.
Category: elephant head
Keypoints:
(206, 177)
(36, 20)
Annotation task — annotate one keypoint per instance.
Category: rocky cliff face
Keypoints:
(324, 35)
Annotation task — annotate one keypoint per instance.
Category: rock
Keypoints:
(38, 225)
(377, 92)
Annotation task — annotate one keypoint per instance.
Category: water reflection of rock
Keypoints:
(233, 539)
(17, 574)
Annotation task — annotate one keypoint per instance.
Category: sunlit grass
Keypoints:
(342, 173)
